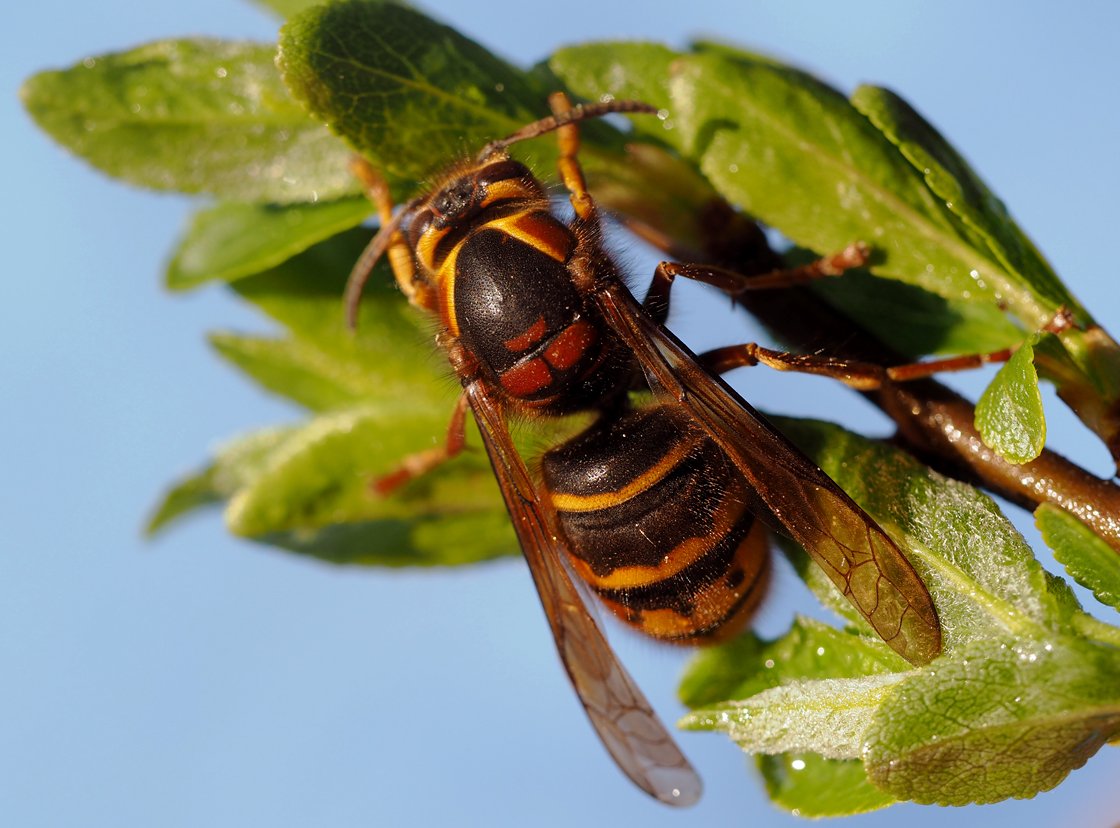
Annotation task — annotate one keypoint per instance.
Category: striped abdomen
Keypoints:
(656, 516)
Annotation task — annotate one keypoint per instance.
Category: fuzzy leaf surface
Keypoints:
(234, 465)
(983, 577)
(195, 116)
(1002, 718)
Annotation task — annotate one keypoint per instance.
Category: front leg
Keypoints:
(418, 464)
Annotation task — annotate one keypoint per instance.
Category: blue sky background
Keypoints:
(205, 681)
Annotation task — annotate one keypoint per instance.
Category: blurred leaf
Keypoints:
(622, 69)
(323, 473)
(1009, 413)
(408, 93)
(456, 540)
(233, 240)
(1002, 718)
(295, 369)
(235, 464)
(1087, 558)
(391, 355)
(914, 321)
(810, 786)
(197, 116)
(965, 195)
(287, 8)
(308, 489)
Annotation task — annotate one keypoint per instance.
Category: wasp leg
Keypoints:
(735, 283)
(388, 241)
(857, 374)
(571, 173)
(418, 464)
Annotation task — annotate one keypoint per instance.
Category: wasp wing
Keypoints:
(627, 726)
(859, 557)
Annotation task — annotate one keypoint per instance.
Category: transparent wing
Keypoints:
(859, 557)
(627, 726)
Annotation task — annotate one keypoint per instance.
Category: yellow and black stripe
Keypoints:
(658, 524)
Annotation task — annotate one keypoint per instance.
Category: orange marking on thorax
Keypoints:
(570, 345)
(540, 230)
(528, 339)
(526, 378)
(445, 284)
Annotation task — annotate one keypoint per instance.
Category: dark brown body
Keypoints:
(655, 508)
(500, 262)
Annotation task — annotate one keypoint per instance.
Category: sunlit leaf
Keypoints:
(408, 93)
(981, 573)
(1009, 413)
(195, 116)
(964, 193)
(233, 240)
(1002, 718)
(812, 787)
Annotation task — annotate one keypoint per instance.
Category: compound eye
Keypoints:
(455, 201)
(503, 170)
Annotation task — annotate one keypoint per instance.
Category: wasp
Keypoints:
(660, 508)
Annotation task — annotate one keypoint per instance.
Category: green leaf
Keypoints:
(235, 464)
(408, 93)
(391, 355)
(287, 8)
(233, 240)
(982, 575)
(297, 370)
(810, 786)
(914, 321)
(804, 783)
(827, 716)
(197, 116)
(795, 153)
(457, 540)
(307, 489)
(964, 193)
(1001, 718)
(747, 665)
(1009, 413)
(622, 69)
(1087, 558)
(322, 477)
